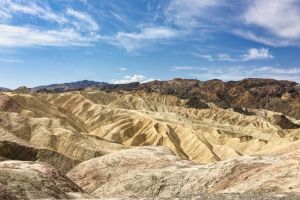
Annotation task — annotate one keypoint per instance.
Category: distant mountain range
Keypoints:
(2, 89)
(79, 85)
(270, 94)
(275, 95)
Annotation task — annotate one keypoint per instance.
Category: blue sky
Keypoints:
(120, 41)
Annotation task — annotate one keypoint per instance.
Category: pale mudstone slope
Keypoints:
(201, 135)
(33, 180)
(84, 125)
(29, 122)
(155, 172)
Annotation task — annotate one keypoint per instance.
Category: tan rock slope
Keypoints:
(38, 124)
(33, 180)
(102, 129)
(97, 123)
(201, 135)
(155, 172)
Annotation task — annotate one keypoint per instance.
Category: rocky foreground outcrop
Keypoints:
(155, 172)
(33, 180)
(148, 172)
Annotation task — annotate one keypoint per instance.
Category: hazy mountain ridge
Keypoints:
(2, 89)
(62, 87)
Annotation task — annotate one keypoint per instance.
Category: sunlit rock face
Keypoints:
(155, 172)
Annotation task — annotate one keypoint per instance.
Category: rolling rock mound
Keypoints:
(201, 135)
(147, 172)
(101, 134)
(43, 129)
(33, 180)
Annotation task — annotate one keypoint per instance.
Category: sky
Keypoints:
(121, 41)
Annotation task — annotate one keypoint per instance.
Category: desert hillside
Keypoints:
(148, 141)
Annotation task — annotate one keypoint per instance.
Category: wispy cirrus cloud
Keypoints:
(40, 10)
(145, 37)
(15, 36)
(187, 13)
(58, 28)
(85, 20)
(250, 55)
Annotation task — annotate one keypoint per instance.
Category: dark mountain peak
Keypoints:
(62, 87)
(126, 86)
(213, 80)
(3, 89)
(22, 89)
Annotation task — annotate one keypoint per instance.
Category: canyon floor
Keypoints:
(143, 144)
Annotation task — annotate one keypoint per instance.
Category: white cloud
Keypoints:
(134, 78)
(15, 36)
(43, 11)
(122, 68)
(267, 40)
(258, 54)
(280, 17)
(67, 28)
(147, 36)
(251, 54)
(85, 20)
(270, 22)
